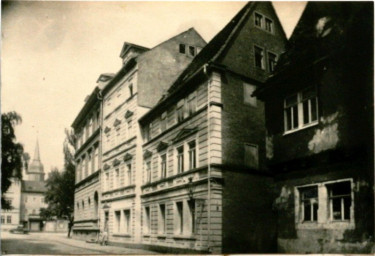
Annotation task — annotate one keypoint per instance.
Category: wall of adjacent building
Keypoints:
(160, 67)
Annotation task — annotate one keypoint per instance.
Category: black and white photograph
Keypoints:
(187, 127)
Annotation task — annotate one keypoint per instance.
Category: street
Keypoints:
(56, 243)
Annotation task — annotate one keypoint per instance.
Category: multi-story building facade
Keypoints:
(87, 129)
(320, 141)
(142, 80)
(205, 187)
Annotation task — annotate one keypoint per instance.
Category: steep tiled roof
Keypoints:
(33, 186)
(212, 50)
(321, 32)
(207, 55)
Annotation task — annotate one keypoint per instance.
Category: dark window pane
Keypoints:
(291, 100)
(315, 211)
(192, 50)
(336, 208)
(288, 118)
(305, 112)
(314, 112)
(258, 20)
(347, 204)
(307, 209)
(182, 48)
(295, 117)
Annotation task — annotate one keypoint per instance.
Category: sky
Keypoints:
(53, 52)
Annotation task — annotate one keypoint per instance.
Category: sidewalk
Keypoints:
(62, 238)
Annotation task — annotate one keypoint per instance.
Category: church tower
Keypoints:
(35, 171)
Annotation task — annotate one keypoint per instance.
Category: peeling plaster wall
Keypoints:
(335, 237)
(327, 137)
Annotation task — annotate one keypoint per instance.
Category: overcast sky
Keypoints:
(53, 52)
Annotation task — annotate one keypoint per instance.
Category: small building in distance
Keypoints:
(32, 194)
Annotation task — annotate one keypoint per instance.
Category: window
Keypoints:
(272, 58)
(192, 155)
(191, 212)
(146, 132)
(309, 203)
(163, 122)
(148, 171)
(192, 51)
(339, 201)
(84, 170)
(268, 25)
(259, 57)
(325, 205)
(96, 158)
(116, 182)
(182, 48)
(117, 222)
(127, 221)
(163, 166)
(131, 90)
(89, 163)
(192, 103)
(180, 159)
(9, 219)
(162, 222)
(179, 224)
(129, 172)
(301, 109)
(147, 221)
(2, 219)
(258, 20)
(248, 90)
(251, 156)
(180, 111)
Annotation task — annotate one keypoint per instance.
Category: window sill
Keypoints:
(184, 237)
(161, 236)
(300, 129)
(146, 235)
(121, 235)
(327, 225)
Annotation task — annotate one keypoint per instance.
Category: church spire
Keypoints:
(36, 152)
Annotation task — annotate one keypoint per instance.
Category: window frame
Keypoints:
(268, 61)
(323, 213)
(300, 111)
(263, 60)
(163, 172)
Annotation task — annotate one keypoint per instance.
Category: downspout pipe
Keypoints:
(205, 71)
